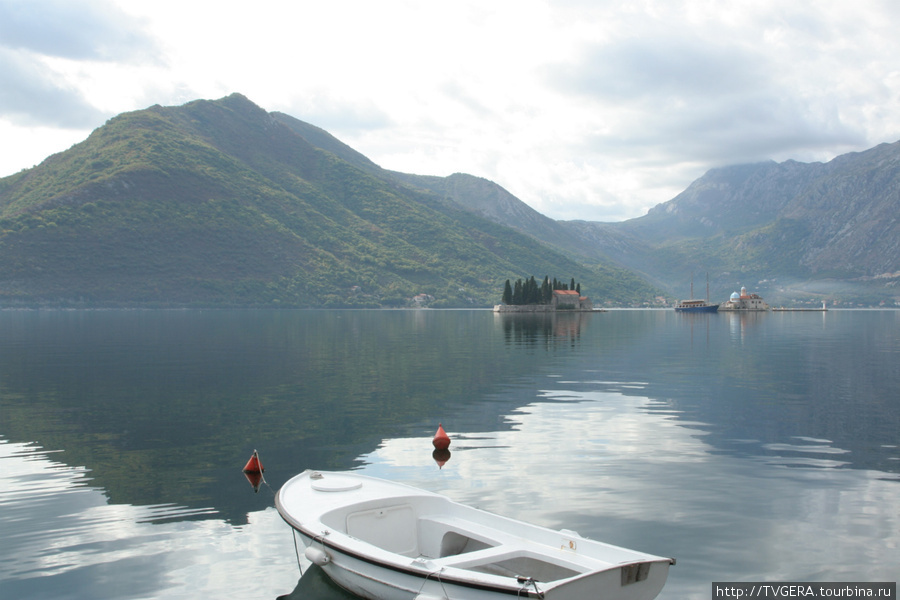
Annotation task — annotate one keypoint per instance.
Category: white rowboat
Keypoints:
(388, 541)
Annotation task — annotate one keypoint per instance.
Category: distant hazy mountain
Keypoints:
(791, 231)
(222, 203)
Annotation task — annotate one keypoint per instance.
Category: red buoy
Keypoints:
(253, 465)
(441, 440)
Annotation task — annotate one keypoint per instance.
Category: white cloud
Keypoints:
(34, 95)
(581, 109)
(75, 29)
(43, 46)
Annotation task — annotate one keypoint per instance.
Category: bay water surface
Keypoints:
(755, 447)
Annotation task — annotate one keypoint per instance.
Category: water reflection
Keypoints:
(255, 479)
(757, 448)
(315, 584)
(181, 397)
(63, 539)
(441, 456)
(544, 329)
(740, 323)
(699, 326)
(601, 463)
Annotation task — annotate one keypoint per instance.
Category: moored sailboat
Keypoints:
(693, 305)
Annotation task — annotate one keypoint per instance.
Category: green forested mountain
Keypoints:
(220, 203)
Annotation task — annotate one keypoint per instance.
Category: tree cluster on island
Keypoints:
(529, 292)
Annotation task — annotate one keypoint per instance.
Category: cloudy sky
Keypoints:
(584, 109)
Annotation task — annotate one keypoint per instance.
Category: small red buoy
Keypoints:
(441, 440)
(253, 465)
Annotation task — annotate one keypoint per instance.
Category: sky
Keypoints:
(583, 109)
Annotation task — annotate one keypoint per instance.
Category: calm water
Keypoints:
(749, 447)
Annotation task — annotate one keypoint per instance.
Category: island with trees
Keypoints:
(549, 296)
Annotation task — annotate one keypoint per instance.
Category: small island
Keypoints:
(550, 296)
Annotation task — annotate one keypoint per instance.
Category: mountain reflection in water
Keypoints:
(758, 447)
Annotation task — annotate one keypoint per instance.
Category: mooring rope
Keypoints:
(437, 575)
(271, 489)
(297, 550)
(524, 581)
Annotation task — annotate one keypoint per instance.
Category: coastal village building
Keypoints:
(422, 299)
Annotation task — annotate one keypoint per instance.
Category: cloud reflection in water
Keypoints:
(609, 467)
(60, 536)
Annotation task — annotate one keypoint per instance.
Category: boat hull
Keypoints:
(405, 544)
(378, 583)
(706, 308)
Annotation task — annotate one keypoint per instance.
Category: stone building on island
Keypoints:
(570, 300)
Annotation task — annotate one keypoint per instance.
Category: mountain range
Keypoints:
(221, 203)
(791, 231)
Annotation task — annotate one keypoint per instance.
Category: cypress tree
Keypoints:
(507, 293)
(546, 291)
(532, 296)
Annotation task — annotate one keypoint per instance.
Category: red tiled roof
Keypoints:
(566, 292)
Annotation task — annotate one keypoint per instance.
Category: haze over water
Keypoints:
(749, 447)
